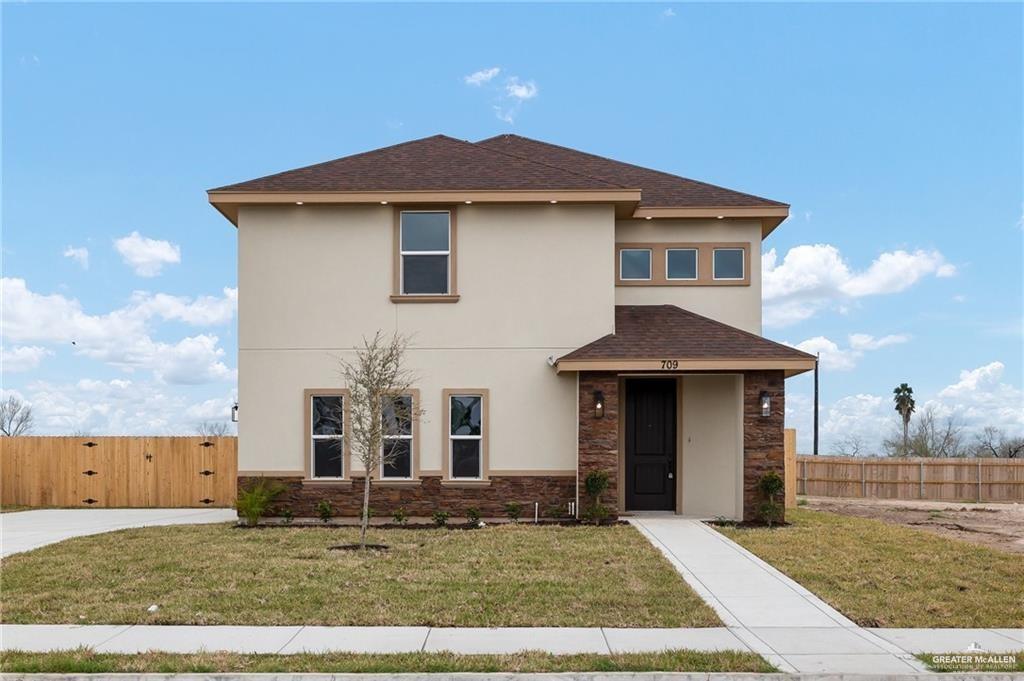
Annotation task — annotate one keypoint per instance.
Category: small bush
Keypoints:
(288, 515)
(513, 509)
(325, 510)
(400, 516)
(595, 484)
(595, 513)
(441, 518)
(771, 485)
(473, 515)
(554, 512)
(254, 501)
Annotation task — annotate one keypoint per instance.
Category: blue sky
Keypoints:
(893, 130)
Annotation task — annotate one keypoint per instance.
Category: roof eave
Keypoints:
(791, 367)
(770, 216)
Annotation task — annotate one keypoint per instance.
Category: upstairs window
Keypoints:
(425, 251)
(635, 264)
(396, 457)
(327, 432)
(681, 264)
(728, 264)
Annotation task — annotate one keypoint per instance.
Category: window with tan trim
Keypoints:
(424, 261)
(399, 447)
(466, 426)
(327, 428)
(685, 264)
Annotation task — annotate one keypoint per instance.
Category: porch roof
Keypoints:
(666, 337)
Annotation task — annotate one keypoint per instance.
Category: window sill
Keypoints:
(453, 298)
(465, 483)
(321, 482)
(396, 483)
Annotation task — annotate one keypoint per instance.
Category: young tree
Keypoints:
(15, 417)
(379, 404)
(213, 429)
(993, 442)
(903, 396)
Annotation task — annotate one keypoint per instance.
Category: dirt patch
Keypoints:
(999, 526)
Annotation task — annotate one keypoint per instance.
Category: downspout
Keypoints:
(817, 358)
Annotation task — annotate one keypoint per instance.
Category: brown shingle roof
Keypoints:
(431, 163)
(659, 189)
(666, 331)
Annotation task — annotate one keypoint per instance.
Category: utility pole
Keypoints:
(816, 360)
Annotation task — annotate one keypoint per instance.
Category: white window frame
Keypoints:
(696, 264)
(479, 438)
(409, 437)
(650, 264)
(402, 253)
(314, 437)
(743, 261)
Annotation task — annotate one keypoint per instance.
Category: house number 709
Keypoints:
(670, 364)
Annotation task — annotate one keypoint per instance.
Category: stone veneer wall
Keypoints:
(552, 492)
(599, 437)
(763, 448)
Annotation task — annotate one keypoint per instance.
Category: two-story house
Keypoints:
(567, 313)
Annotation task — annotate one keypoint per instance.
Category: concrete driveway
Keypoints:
(27, 530)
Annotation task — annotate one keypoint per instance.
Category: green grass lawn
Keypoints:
(978, 662)
(503, 575)
(883, 575)
(87, 662)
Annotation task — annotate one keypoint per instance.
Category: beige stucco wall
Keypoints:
(712, 439)
(534, 281)
(738, 306)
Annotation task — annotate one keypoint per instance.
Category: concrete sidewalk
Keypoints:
(125, 638)
(27, 530)
(775, 616)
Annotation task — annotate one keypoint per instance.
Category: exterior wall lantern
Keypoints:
(598, 404)
(766, 404)
(234, 413)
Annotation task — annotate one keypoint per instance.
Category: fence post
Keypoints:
(920, 477)
(863, 481)
(979, 480)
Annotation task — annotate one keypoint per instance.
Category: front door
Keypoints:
(650, 444)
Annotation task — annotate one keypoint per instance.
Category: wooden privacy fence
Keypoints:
(133, 472)
(911, 478)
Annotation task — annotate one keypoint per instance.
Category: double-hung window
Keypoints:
(425, 252)
(327, 433)
(396, 454)
(466, 436)
(728, 264)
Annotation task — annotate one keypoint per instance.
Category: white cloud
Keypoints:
(478, 78)
(79, 255)
(835, 358)
(145, 256)
(22, 358)
(122, 338)
(669, 13)
(813, 277)
(516, 89)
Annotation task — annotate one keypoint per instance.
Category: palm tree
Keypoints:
(903, 396)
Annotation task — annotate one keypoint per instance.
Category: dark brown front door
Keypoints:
(650, 444)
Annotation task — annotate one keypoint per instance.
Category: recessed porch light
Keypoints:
(554, 201)
(468, 202)
(647, 218)
(383, 203)
(298, 203)
(720, 217)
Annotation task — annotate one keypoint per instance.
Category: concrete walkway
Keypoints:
(125, 638)
(27, 530)
(776, 617)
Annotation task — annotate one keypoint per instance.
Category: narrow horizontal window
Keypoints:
(327, 431)
(425, 251)
(728, 263)
(635, 264)
(681, 264)
(396, 446)
(466, 432)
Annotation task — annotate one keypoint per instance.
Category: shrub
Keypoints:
(514, 509)
(400, 516)
(325, 510)
(771, 486)
(288, 515)
(441, 518)
(595, 484)
(254, 501)
(473, 515)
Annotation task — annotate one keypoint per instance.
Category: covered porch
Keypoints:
(684, 414)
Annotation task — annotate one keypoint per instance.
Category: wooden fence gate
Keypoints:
(119, 472)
